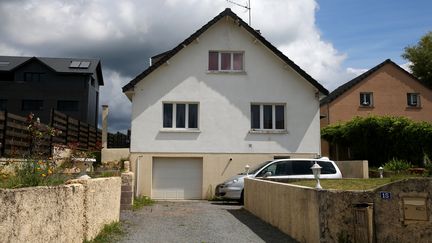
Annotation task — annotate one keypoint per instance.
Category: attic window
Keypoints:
(413, 99)
(3, 63)
(225, 61)
(366, 99)
(79, 64)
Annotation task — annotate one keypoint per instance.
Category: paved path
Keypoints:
(197, 221)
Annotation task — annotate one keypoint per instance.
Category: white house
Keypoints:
(223, 98)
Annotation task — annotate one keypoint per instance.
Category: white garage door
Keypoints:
(177, 178)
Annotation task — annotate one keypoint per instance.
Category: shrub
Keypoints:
(397, 165)
(379, 139)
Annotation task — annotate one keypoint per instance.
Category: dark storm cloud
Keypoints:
(125, 34)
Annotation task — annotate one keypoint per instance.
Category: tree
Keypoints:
(420, 56)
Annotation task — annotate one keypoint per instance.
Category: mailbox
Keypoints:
(415, 208)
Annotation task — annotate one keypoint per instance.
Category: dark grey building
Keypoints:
(39, 84)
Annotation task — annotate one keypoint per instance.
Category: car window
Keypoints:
(256, 168)
(327, 167)
(302, 167)
(283, 168)
(271, 168)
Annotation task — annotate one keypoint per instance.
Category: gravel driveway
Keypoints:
(197, 221)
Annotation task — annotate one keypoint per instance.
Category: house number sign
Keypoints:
(385, 195)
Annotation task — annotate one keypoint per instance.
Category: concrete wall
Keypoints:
(114, 154)
(291, 209)
(224, 100)
(66, 213)
(216, 167)
(354, 168)
(335, 213)
(101, 203)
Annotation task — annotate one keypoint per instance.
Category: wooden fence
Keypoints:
(15, 137)
(75, 131)
(118, 140)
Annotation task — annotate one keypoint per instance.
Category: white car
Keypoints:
(232, 189)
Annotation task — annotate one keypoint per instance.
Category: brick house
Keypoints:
(385, 90)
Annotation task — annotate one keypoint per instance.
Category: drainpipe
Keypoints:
(137, 175)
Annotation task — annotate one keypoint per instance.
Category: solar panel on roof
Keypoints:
(84, 64)
(75, 64)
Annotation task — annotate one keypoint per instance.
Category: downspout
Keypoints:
(137, 175)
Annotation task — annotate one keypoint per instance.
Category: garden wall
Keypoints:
(397, 212)
(354, 168)
(292, 209)
(65, 213)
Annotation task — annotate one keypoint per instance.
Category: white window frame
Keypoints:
(363, 99)
(231, 70)
(273, 129)
(174, 116)
(417, 99)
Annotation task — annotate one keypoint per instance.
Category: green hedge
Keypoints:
(380, 139)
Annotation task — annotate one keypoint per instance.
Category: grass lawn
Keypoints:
(350, 184)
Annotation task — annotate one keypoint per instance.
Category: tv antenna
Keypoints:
(247, 6)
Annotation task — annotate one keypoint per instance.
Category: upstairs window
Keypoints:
(366, 99)
(33, 77)
(180, 115)
(32, 105)
(68, 105)
(267, 116)
(225, 61)
(413, 99)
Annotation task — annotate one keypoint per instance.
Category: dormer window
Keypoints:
(413, 99)
(366, 99)
(226, 61)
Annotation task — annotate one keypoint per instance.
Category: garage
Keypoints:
(177, 178)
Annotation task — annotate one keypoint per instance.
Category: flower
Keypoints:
(43, 175)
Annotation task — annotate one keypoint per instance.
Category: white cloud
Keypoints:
(406, 66)
(356, 71)
(124, 34)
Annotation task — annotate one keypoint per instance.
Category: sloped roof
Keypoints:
(60, 65)
(257, 35)
(348, 85)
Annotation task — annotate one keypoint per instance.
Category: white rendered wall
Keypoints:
(224, 100)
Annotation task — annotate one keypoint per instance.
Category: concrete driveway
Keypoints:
(197, 221)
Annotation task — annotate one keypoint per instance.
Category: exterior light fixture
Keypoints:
(247, 167)
(381, 171)
(316, 169)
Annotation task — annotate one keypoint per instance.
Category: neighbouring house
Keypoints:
(40, 84)
(385, 90)
(223, 98)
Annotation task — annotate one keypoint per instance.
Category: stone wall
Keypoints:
(397, 212)
(390, 220)
(65, 213)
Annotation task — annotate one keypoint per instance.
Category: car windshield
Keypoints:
(255, 169)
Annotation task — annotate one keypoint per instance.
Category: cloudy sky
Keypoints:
(333, 40)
